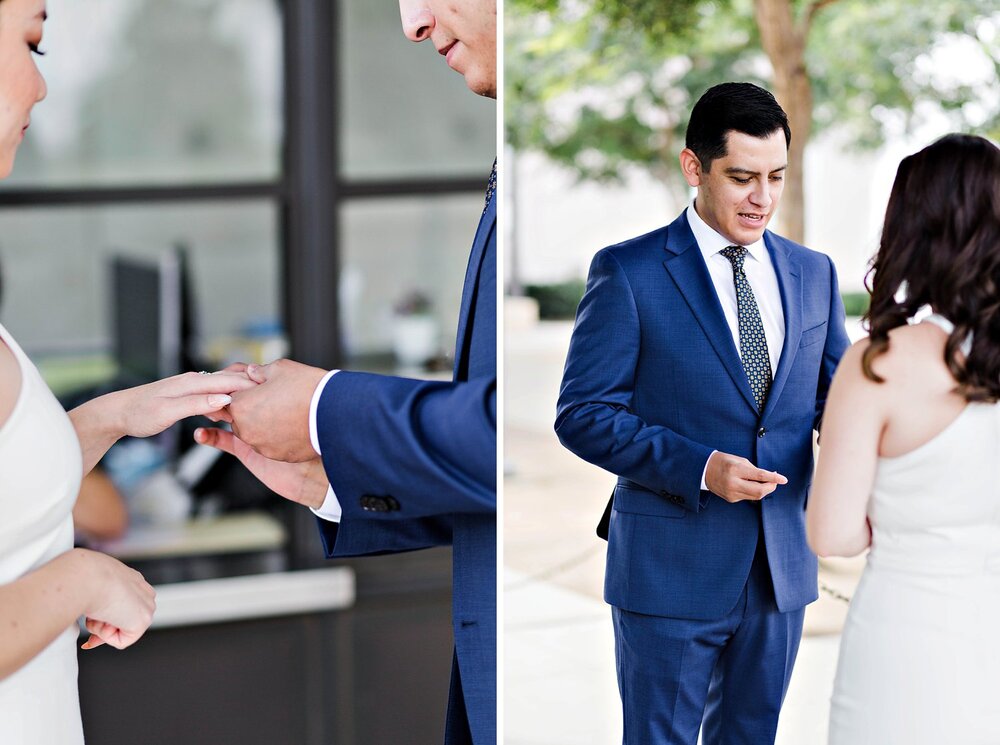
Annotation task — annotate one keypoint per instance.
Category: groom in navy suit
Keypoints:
(697, 373)
(392, 464)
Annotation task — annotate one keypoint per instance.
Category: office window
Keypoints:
(163, 127)
(147, 92)
(408, 126)
(165, 124)
(404, 112)
(397, 253)
(232, 249)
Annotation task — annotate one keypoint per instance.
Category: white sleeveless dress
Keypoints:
(40, 474)
(920, 652)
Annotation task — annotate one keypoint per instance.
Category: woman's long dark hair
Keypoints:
(941, 246)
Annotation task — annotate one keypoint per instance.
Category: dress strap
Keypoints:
(940, 321)
(943, 323)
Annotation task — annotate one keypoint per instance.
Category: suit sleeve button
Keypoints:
(372, 503)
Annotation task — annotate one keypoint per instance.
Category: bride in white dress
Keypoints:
(46, 584)
(910, 465)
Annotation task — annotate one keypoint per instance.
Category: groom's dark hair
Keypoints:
(732, 107)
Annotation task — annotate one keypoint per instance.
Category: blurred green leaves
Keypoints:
(605, 84)
(557, 302)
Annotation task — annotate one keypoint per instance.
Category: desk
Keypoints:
(356, 652)
(254, 596)
(242, 532)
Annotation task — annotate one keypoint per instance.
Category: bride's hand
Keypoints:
(149, 409)
(304, 482)
(121, 602)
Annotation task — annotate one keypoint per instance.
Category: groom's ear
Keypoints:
(690, 167)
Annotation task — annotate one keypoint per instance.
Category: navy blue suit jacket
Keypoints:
(431, 446)
(654, 383)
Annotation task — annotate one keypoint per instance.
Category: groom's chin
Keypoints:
(745, 237)
(482, 85)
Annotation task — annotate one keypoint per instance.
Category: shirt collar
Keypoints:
(710, 241)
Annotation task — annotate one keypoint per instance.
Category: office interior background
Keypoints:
(322, 177)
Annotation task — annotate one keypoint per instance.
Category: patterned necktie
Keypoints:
(753, 343)
(491, 187)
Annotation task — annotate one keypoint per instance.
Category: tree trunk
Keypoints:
(784, 42)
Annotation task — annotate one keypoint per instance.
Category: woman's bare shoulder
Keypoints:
(914, 358)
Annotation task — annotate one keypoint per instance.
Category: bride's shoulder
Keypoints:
(913, 356)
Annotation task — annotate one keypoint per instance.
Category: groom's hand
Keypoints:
(736, 479)
(303, 482)
(273, 417)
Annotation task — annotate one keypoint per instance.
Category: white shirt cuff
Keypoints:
(330, 509)
(313, 407)
(704, 486)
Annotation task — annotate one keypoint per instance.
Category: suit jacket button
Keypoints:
(370, 503)
(391, 503)
(761, 432)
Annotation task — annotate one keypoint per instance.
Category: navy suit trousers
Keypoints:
(732, 672)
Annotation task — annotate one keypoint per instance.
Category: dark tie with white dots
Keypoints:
(753, 343)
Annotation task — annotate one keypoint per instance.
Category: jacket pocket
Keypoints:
(813, 335)
(638, 501)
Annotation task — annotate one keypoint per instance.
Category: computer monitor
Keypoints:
(147, 317)
(154, 337)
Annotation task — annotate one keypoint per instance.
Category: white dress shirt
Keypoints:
(760, 274)
(763, 281)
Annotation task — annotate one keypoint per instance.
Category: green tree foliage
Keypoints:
(604, 84)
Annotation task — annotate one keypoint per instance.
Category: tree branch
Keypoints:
(815, 8)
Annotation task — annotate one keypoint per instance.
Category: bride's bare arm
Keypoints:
(149, 409)
(855, 416)
(38, 607)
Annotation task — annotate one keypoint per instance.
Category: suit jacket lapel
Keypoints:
(487, 224)
(687, 267)
(790, 285)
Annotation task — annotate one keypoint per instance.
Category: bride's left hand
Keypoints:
(149, 409)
